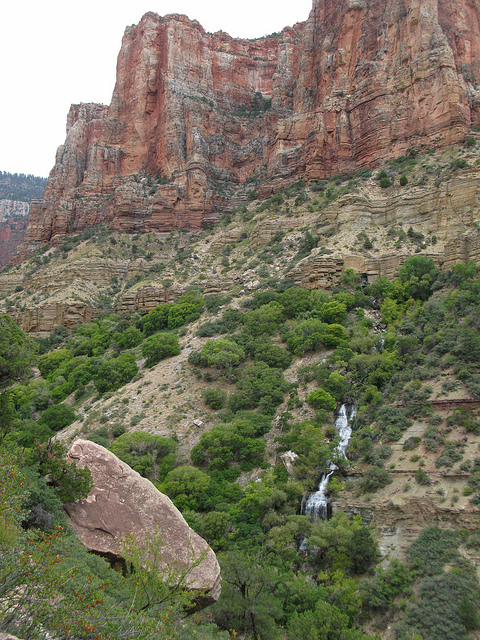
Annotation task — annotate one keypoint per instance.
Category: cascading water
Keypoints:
(315, 505)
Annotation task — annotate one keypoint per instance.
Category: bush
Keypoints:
(422, 477)
(403, 180)
(173, 314)
(233, 443)
(333, 312)
(464, 418)
(185, 486)
(50, 362)
(214, 398)
(266, 319)
(379, 591)
(373, 479)
(57, 417)
(160, 346)
(307, 336)
(321, 399)
(221, 354)
(128, 339)
(259, 386)
(17, 352)
(432, 549)
(113, 374)
(411, 443)
(150, 455)
(100, 436)
(209, 329)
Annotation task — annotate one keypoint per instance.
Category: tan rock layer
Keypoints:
(50, 315)
(399, 523)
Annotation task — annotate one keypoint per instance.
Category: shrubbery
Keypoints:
(160, 346)
(214, 398)
(148, 454)
(57, 417)
(113, 374)
(232, 446)
(173, 314)
(258, 386)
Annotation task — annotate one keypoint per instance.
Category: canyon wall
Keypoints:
(13, 225)
(198, 120)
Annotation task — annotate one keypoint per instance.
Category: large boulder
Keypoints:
(123, 502)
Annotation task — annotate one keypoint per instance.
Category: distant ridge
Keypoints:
(21, 187)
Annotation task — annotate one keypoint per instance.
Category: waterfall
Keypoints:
(315, 505)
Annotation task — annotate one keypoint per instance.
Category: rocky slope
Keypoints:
(198, 120)
(98, 269)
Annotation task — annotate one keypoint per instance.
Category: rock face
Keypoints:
(13, 225)
(358, 82)
(123, 502)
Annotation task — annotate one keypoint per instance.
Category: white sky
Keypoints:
(54, 53)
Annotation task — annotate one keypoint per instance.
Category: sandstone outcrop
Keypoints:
(60, 314)
(197, 118)
(122, 502)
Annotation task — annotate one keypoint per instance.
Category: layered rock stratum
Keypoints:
(197, 120)
(123, 503)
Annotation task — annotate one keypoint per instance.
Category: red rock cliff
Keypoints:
(360, 81)
(13, 225)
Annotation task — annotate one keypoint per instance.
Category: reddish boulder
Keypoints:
(123, 502)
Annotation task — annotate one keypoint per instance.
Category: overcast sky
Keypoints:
(57, 52)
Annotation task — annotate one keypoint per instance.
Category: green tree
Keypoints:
(333, 312)
(374, 478)
(221, 354)
(148, 454)
(259, 386)
(17, 355)
(113, 374)
(326, 622)
(128, 339)
(308, 335)
(214, 397)
(69, 482)
(50, 362)
(185, 486)
(321, 399)
(418, 272)
(336, 385)
(17, 352)
(233, 443)
(266, 319)
(160, 346)
(57, 417)
(343, 545)
(250, 602)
